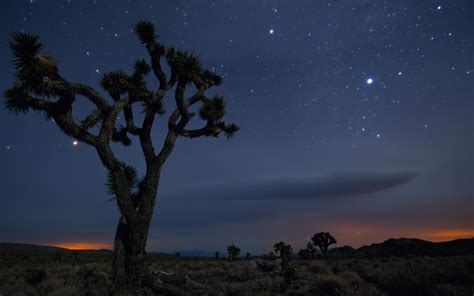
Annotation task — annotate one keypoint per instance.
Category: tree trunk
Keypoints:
(128, 268)
(119, 275)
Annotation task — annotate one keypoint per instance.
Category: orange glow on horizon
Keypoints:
(448, 234)
(358, 234)
(83, 245)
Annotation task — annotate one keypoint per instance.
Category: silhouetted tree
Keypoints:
(284, 250)
(40, 87)
(233, 251)
(177, 254)
(309, 252)
(323, 240)
(247, 256)
(216, 255)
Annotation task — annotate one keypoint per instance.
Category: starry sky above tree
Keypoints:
(355, 116)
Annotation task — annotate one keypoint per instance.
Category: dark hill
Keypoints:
(404, 247)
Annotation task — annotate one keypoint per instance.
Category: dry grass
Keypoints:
(204, 276)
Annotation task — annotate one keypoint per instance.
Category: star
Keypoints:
(369, 81)
(75, 143)
(97, 71)
(271, 31)
(400, 73)
(439, 7)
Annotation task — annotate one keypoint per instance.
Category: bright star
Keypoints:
(378, 136)
(271, 31)
(439, 7)
(75, 142)
(400, 73)
(370, 81)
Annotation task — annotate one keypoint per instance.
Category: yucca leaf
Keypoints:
(207, 75)
(155, 107)
(130, 174)
(24, 47)
(141, 67)
(145, 31)
(114, 83)
(16, 100)
(213, 110)
(230, 130)
(185, 65)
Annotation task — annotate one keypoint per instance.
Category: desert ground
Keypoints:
(83, 273)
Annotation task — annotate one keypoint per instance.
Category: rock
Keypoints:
(268, 266)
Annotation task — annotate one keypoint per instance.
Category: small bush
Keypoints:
(34, 276)
(329, 285)
(320, 268)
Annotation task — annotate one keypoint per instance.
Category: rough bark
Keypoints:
(128, 268)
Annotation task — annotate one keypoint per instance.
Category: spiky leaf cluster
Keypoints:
(114, 83)
(213, 110)
(153, 107)
(135, 185)
(145, 31)
(209, 76)
(16, 100)
(185, 65)
(37, 73)
(141, 68)
(25, 47)
(230, 130)
(132, 180)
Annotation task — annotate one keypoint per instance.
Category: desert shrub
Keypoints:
(266, 286)
(320, 268)
(93, 281)
(338, 266)
(351, 278)
(413, 277)
(34, 276)
(243, 271)
(329, 285)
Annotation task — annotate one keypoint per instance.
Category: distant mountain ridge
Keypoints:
(31, 249)
(403, 247)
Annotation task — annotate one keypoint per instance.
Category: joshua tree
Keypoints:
(40, 87)
(233, 251)
(284, 250)
(309, 252)
(323, 240)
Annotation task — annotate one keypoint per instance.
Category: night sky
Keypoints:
(356, 118)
